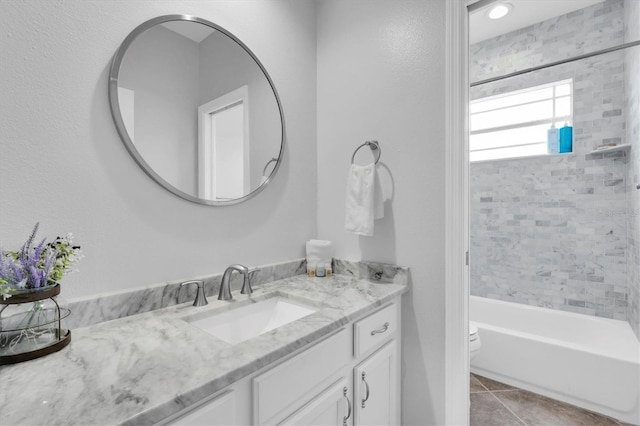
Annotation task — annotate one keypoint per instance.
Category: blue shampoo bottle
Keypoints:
(566, 138)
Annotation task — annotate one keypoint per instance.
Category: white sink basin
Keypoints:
(246, 322)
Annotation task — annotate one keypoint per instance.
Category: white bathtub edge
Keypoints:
(588, 377)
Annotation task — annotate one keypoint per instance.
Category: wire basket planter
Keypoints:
(31, 325)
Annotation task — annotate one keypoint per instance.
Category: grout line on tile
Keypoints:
(508, 409)
(473, 376)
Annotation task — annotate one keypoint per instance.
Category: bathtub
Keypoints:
(586, 361)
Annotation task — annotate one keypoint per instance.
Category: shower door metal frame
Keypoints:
(560, 62)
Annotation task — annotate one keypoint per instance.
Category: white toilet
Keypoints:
(474, 340)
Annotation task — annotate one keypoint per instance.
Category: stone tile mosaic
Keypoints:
(554, 231)
(632, 88)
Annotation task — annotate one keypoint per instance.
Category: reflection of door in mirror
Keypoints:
(223, 146)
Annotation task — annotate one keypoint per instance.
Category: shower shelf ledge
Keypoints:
(597, 153)
(626, 148)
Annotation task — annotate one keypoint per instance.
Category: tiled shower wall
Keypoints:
(632, 82)
(552, 231)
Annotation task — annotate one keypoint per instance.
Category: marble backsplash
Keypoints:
(375, 271)
(91, 310)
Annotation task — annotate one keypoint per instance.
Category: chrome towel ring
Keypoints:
(375, 149)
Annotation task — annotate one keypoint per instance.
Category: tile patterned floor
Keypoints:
(497, 404)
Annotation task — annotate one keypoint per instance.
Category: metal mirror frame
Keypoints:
(128, 143)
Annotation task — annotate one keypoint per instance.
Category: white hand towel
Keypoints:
(364, 201)
(319, 252)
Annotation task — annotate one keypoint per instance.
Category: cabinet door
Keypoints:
(331, 407)
(376, 390)
(284, 389)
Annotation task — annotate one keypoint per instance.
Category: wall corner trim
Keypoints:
(457, 215)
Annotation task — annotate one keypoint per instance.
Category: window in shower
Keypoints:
(515, 124)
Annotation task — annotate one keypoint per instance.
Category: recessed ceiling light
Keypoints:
(499, 11)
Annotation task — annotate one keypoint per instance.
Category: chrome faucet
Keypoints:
(225, 285)
(201, 299)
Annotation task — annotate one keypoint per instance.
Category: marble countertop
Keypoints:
(143, 368)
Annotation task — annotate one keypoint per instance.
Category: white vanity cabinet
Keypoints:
(367, 390)
(372, 399)
(375, 378)
(376, 393)
(350, 378)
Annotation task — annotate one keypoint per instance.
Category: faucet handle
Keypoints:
(246, 284)
(201, 298)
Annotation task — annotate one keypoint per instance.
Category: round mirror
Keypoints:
(197, 110)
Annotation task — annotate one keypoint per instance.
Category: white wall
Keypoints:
(381, 76)
(63, 164)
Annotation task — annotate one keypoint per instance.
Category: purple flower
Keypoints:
(35, 277)
(36, 266)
